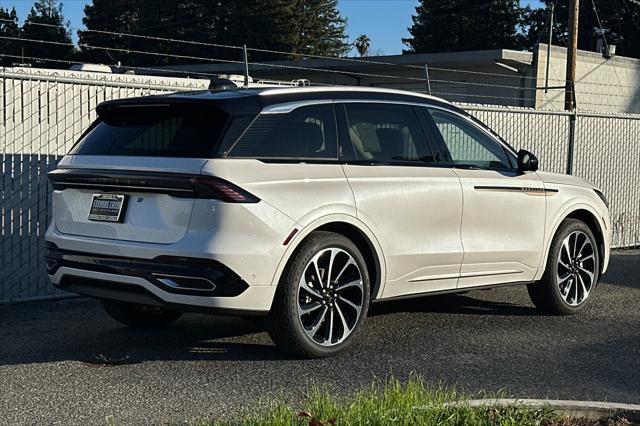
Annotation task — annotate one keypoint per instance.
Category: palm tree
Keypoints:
(362, 44)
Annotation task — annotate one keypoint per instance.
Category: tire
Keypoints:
(567, 286)
(133, 315)
(344, 306)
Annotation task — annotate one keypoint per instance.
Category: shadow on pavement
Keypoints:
(452, 304)
(79, 330)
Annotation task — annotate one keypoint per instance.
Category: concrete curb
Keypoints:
(588, 409)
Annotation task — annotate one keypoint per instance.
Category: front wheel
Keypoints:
(572, 271)
(134, 315)
(322, 298)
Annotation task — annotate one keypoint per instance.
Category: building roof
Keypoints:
(455, 60)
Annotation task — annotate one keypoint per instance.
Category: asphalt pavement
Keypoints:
(66, 362)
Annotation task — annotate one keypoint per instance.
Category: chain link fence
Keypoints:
(44, 112)
(606, 152)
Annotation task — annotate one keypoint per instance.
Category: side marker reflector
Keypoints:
(290, 236)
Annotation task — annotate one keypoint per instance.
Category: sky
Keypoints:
(384, 21)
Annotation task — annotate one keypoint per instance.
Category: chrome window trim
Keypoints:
(287, 107)
(347, 89)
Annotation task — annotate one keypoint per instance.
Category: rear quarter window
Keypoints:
(304, 133)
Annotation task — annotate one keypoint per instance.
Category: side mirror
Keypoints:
(527, 162)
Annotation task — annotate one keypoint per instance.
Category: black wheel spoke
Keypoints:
(576, 268)
(330, 296)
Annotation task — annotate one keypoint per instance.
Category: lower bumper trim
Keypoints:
(133, 293)
(189, 276)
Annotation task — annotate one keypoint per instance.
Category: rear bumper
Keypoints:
(182, 284)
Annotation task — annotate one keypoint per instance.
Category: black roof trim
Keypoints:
(251, 101)
(243, 104)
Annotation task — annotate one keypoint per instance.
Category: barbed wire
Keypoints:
(359, 61)
(444, 93)
(164, 70)
(217, 60)
(188, 73)
(475, 99)
(69, 62)
(295, 67)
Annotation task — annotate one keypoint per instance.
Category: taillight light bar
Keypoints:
(214, 187)
(174, 184)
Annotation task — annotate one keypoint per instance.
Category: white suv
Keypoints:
(305, 205)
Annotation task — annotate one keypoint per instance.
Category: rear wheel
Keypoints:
(572, 271)
(134, 315)
(322, 298)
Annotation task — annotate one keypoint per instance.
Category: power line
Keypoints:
(359, 61)
(62, 61)
(421, 80)
(547, 21)
(188, 73)
(604, 37)
(298, 67)
(164, 71)
(230, 61)
(440, 81)
(227, 46)
(115, 49)
(438, 92)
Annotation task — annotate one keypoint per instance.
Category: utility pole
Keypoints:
(569, 95)
(570, 88)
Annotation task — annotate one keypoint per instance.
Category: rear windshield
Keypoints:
(155, 131)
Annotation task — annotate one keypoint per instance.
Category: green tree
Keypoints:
(362, 44)
(223, 22)
(457, 25)
(46, 22)
(319, 29)
(117, 16)
(620, 21)
(298, 26)
(9, 28)
(244, 23)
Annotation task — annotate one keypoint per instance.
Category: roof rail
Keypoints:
(232, 81)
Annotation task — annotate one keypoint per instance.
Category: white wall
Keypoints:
(602, 85)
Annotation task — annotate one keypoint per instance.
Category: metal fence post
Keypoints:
(572, 141)
(572, 130)
(245, 57)
(426, 70)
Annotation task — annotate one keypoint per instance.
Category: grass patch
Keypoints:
(393, 403)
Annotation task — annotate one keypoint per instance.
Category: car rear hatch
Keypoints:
(136, 172)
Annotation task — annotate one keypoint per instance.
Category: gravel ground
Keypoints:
(206, 366)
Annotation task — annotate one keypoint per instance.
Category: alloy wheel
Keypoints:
(330, 296)
(576, 268)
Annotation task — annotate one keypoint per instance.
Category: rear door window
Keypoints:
(387, 133)
(307, 132)
(167, 131)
